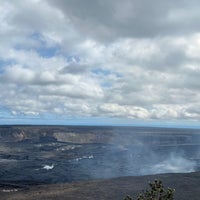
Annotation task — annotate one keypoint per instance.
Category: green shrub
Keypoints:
(156, 192)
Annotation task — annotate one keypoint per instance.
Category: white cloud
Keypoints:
(62, 58)
(115, 110)
(113, 19)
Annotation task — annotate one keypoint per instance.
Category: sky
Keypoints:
(134, 62)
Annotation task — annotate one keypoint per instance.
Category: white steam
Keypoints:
(172, 164)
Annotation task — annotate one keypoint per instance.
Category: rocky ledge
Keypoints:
(187, 186)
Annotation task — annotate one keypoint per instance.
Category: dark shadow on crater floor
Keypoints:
(187, 187)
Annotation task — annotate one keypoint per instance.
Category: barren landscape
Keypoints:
(72, 162)
(187, 186)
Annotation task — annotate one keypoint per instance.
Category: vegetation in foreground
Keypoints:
(156, 192)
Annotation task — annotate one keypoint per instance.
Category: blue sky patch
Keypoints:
(100, 71)
(47, 52)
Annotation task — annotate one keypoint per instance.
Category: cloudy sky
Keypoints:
(100, 61)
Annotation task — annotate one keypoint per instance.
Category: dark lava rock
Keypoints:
(187, 187)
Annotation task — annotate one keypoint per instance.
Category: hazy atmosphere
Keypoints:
(100, 62)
